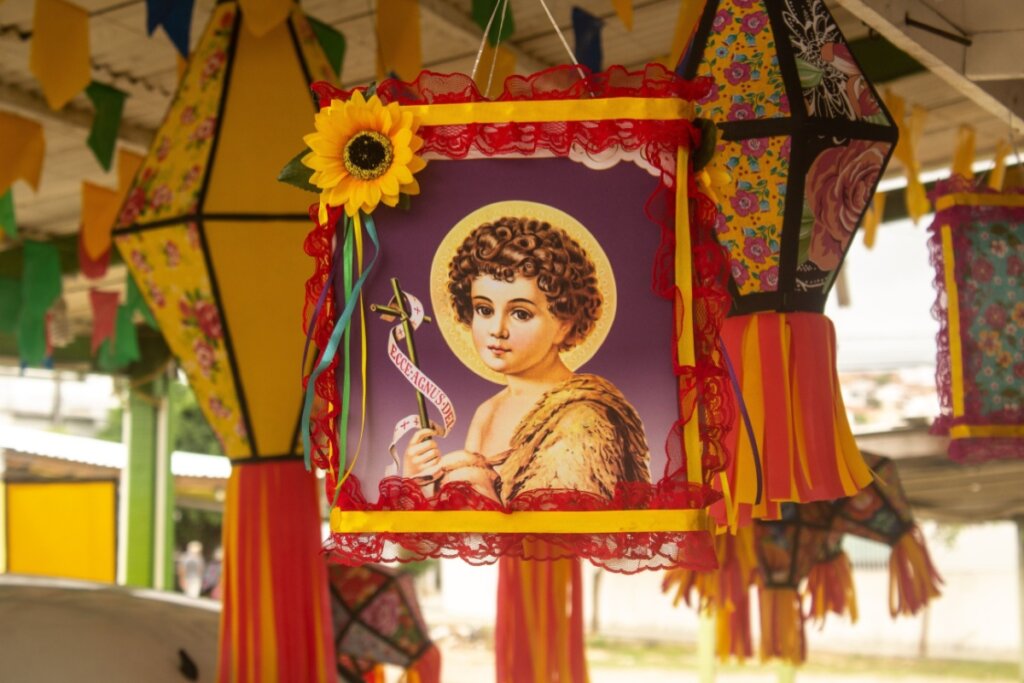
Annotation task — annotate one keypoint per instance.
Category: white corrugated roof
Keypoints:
(104, 453)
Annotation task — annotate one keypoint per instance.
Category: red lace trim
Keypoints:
(704, 391)
(965, 450)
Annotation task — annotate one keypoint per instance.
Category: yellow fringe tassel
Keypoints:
(831, 589)
(782, 625)
(913, 580)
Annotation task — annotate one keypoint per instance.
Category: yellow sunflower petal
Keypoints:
(372, 196)
(417, 164)
(411, 188)
(390, 200)
(402, 174)
(389, 184)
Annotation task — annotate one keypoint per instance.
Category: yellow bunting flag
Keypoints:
(99, 211)
(624, 8)
(502, 61)
(398, 39)
(998, 175)
(59, 56)
(128, 164)
(963, 157)
(22, 147)
(872, 218)
(910, 130)
(689, 15)
(262, 16)
(181, 64)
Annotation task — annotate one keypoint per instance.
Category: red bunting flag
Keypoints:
(104, 316)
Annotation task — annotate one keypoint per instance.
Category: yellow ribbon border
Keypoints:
(527, 521)
(558, 522)
(541, 111)
(967, 199)
(986, 431)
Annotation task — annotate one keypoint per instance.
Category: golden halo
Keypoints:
(458, 336)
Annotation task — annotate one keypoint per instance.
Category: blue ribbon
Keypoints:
(331, 350)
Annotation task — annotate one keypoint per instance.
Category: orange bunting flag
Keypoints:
(99, 211)
(128, 164)
(398, 39)
(59, 57)
(689, 14)
(997, 177)
(624, 8)
(22, 147)
(262, 16)
(910, 129)
(503, 63)
(872, 219)
(963, 157)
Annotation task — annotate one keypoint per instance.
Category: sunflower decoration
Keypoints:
(363, 153)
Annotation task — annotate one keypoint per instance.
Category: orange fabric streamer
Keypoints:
(539, 632)
(782, 625)
(830, 586)
(275, 622)
(913, 579)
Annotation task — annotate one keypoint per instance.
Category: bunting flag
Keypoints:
(109, 104)
(872, 219)
(496, 64)
(40, 287)
(997, 177)
(176, 18)
(398, 39)
(686, 23)
(262, 16)
(587, 29)
(104, 316)
(99, 212)
(8, 224)
(22, 147)
(332, 41)
(963, 157)
(910, 130)
(122, 348)
(624, 8)
(59, 56)
(128, 164)
(503, 25)
(10, 303)
(135, 302)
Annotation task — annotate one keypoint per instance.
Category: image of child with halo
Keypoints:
(528, 292)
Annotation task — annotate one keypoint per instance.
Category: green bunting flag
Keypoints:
(40, 287)
(109, 104)
(501, 28)
(10, 304)
(135, 302)
(8, 226)
(123, 348)
(332, 41)
(31, 338)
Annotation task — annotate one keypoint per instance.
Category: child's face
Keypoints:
(513, 330)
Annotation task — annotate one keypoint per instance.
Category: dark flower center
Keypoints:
(368, 155)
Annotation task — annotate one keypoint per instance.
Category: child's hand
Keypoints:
(422, 455)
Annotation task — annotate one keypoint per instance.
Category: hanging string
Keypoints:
(483, 41)
(561, 37)
(494, 52)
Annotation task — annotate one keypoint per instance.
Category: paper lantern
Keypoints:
(515, 287)
(977, 248)
(377, 620)
(803, 141)
(215, 245)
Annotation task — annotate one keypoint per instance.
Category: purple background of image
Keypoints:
(636, 356)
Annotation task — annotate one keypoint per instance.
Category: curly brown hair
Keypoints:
(525, 247)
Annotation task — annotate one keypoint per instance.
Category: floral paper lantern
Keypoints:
(803, 139)
(215, 245)
(977, 249)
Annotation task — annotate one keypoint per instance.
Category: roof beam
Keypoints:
(900, 22)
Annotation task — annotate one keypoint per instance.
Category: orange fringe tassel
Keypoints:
(782, 625)
(830, 586)
(913, 580)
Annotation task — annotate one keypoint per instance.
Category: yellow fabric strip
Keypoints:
(953, 320)
(971, 431)
(503, 61)
(963, 157)
(22, 148)
(398, 39)
(59, 55)
(640, 108)
(268, 633)
(967, 199)
(685, 352)
(544, 522)
(873, 218)
(998, 175)
(753, 395)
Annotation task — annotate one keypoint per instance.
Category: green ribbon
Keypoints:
(10, 304)
(332, 41)
(8, 224)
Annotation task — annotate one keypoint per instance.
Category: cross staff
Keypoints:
(399, 310)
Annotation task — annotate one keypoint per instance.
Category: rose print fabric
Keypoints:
(750, 224)
(168, 265)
